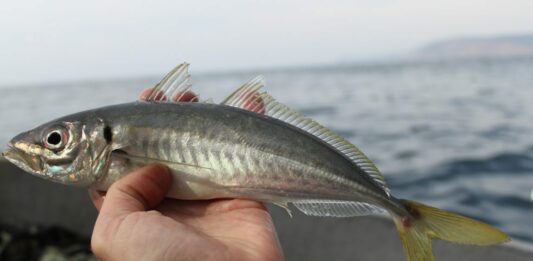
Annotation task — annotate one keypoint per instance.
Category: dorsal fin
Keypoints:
(281, 112)
(174, 87)
(235, 99)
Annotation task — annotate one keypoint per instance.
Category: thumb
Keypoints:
(141, 190)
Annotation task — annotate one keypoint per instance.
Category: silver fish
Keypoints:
(229, 150)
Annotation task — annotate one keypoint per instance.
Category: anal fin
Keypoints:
(285, 206)
(336, 208)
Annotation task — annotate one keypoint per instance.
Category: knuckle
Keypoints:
(131, 220)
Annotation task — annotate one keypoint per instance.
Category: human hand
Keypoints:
(136, 223)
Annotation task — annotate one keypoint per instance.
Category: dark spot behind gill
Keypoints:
(108, 134)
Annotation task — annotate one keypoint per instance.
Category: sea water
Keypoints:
(454, 134)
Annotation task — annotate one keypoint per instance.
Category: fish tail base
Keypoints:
(425, 223)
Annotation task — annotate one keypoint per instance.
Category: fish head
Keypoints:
(74, 152)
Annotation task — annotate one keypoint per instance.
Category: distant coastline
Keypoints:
(478, 47)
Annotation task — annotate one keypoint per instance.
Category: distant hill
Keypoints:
(477, 47)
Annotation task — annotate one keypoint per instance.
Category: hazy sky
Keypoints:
(64, 40)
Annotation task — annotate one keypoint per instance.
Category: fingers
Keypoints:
(141, 190)
(253, 102)
(97, 197)
(145, 93)
(187, 96)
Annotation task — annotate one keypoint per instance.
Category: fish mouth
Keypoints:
(29, 163)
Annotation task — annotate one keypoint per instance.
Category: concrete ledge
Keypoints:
(368, 238)
(26, 200)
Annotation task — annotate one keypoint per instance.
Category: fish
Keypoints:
(250, 146)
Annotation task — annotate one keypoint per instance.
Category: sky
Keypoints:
(62, 40)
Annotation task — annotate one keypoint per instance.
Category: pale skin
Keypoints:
(137, 222)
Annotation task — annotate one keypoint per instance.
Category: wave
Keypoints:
(495, 189)
(516, 163)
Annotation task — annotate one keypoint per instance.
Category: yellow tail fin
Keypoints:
(429, 222)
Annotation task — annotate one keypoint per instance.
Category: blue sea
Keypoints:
(454, 134)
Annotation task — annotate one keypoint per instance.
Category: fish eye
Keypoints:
(56, 139)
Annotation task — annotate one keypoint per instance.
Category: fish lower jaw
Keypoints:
(19, 159)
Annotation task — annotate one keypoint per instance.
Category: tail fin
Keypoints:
(429, 222)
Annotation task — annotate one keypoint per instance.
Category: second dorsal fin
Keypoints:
(174, 87)
(241, 99)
